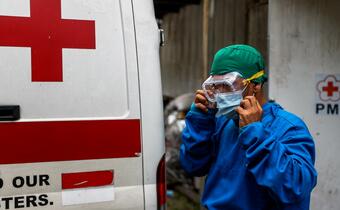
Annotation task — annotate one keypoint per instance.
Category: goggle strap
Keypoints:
(255, 76)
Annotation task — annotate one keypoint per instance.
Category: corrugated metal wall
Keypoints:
(181, 57)
(228, 24)
(230, 21)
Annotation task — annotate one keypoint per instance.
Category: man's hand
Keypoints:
(201, 102)
(249, 111)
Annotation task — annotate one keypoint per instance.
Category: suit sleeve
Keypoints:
(196, 151)
(283, 164)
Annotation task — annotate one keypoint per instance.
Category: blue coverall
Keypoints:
(264, 165)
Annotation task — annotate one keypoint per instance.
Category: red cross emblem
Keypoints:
(329, 88)
(46, 34)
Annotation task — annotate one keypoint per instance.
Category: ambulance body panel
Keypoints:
(151, 94)
(92, 136)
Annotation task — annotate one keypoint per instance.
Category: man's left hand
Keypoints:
(249, 111)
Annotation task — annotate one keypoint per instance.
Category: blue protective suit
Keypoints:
(264, 165)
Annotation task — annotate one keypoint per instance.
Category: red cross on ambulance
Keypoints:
(329, 89)
(46, 33)
(64, 63)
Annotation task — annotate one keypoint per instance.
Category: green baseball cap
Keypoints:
(243, 59)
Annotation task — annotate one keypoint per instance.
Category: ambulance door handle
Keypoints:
(9, 113)
(161, 37)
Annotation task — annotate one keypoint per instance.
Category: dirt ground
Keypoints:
(180, 202)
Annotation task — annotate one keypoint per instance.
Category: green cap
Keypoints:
(243, 59)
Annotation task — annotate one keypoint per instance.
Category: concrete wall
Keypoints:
(304, 47)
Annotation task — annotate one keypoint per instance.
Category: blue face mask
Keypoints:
(227, 102)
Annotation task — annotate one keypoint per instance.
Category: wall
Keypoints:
(304, 47)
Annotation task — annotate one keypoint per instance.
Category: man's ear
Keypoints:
(257, 87)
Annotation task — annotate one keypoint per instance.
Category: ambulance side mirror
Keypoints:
(9, 113)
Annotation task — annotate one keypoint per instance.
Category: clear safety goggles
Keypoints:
(226, 83)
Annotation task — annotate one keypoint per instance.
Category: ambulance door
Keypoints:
(69, 106)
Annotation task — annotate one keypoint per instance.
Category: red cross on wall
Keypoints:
(330, 89)
(46, 34)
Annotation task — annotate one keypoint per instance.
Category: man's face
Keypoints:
(223, 84)
(231, 83)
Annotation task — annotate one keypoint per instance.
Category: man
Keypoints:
(256, 155)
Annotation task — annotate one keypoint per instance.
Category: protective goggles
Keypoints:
(226, 83)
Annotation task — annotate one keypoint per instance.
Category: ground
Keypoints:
(180, 202)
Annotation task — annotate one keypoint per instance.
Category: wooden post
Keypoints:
(205, 62)
(205, 41)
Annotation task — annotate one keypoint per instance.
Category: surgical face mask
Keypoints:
(227, 102)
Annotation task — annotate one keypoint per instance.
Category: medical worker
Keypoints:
(255, 155)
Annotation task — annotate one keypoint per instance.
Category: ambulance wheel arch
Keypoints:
(147, 38)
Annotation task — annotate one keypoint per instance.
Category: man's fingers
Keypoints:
(200, 92)
(201, 99)
(258, 105)
(249, 111)
(245, 104)
(201, 107)
(252, 100)
(259, 108)
(242, 121)
(240, 110)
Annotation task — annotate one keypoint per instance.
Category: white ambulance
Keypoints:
(80, 105)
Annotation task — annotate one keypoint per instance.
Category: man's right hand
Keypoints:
(201, 102)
